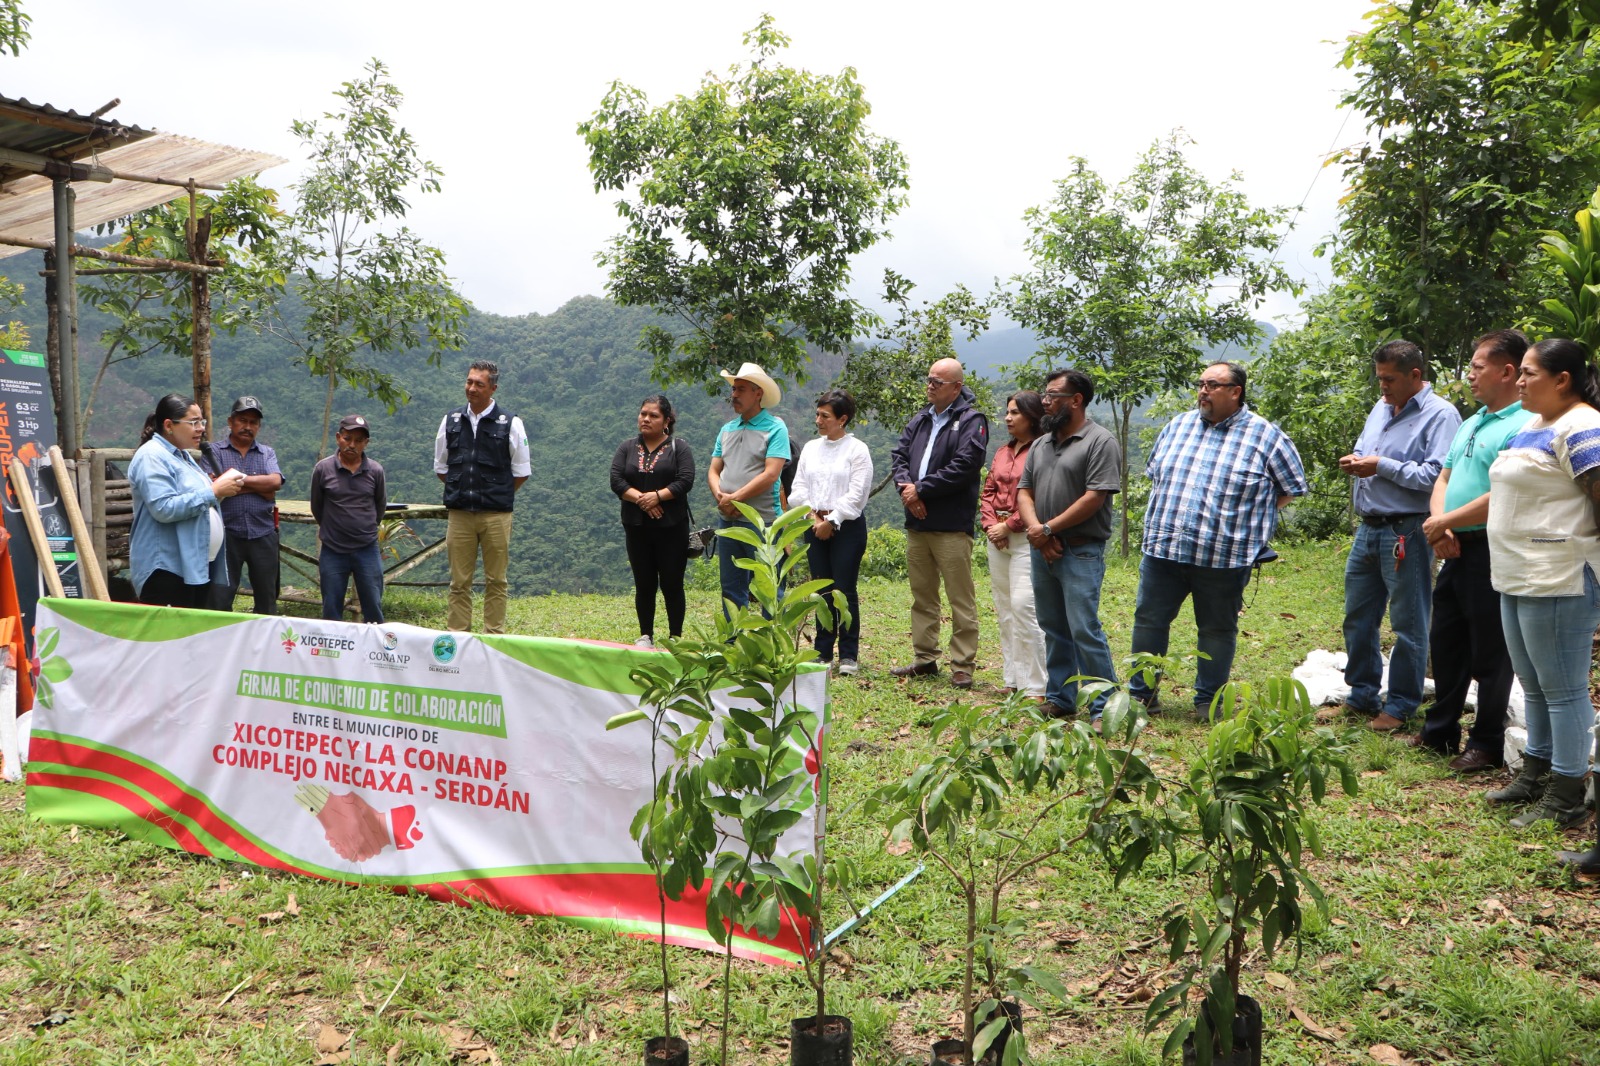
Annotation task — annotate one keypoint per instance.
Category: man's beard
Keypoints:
(1051, 423)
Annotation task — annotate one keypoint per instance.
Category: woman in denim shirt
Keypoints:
(174, 553)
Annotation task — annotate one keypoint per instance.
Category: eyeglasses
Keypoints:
(934, 383)
(1056, 397)
(1471, 441)
(1206, 386)
(197, 423)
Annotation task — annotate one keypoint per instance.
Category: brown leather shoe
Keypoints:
(1055, 710)
(915, 670)
(959, 678)
(1474, 761)
(1386, 723)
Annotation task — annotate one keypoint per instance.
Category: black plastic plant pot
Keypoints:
(950, 1053)
(1246, 1037)
(831, 1047)
(666, 1051)
(996, 1050)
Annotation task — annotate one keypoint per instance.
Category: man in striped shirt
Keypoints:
(1219, 474)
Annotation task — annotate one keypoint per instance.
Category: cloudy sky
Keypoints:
(990, 101)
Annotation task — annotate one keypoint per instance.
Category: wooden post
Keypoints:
(198, 232)
(52, 333)
(88, 562)
(97, 510)
(30, 518)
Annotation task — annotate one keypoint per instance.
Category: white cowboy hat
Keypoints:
(771, 395)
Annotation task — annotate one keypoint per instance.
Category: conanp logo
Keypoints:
(444, 648)
(390, 641)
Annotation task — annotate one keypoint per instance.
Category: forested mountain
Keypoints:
(575, 376)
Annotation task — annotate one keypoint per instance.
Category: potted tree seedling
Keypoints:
(675, 829)
(749, 773)
(1243, 807)
(1008, 791)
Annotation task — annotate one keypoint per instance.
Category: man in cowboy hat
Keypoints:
(937, 466)
(745, 466)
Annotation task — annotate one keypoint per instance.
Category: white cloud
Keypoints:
(989, 102)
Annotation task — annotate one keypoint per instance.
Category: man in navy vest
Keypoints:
(481, 455)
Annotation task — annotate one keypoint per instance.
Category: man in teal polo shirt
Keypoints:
(1466, 641)
(745, 466)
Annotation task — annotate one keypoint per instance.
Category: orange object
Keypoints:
(12, 634)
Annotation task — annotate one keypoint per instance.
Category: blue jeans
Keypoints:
(1375, 579)
(335, 570)
(1218, 594)
(1550, 639)
(838, 559)
(1066, 600)
(735, 579)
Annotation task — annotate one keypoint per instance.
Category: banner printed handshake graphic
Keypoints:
(355, 828)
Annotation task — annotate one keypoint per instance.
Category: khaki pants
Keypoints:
(465, 533)
(930, 558)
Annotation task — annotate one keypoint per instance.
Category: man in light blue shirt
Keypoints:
(1395, 463)
(1466, 640)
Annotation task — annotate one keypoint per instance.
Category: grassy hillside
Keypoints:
(1451, 937)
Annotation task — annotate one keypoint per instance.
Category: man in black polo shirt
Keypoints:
(1064, 497)
(348, 500)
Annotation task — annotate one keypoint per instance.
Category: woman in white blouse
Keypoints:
(1544, 549)
(834, 478)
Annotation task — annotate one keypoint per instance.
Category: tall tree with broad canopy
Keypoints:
(1476, 143)
(1130, 282)
(745, 203)
(368, 285)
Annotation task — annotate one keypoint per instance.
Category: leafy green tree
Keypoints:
(1575, 312)
(1130, 282)
(886, 378)
(14, 22)
(1476, 144)
(155, 311)
(746, 202)
(367, 286)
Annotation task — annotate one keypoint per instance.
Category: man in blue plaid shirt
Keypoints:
(1219, 474)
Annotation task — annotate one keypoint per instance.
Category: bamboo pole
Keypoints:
(88, 561)
(80, 251)
(30, 518)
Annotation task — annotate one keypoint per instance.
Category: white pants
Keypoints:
(1021, 641)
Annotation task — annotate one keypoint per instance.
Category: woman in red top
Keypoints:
(1010, 563)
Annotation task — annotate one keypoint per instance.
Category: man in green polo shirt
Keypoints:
(746, 463)
(1466, 641)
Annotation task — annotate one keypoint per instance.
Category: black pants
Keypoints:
(260, 554)
(838, 559)
(163, 588)
(1467, 644)
(658, 556)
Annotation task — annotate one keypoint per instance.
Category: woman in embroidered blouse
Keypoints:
(1010, 561)
(652, 474)
(834, 479)
(174, 554)
(1544, 551)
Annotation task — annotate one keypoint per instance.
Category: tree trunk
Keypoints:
(327, 416)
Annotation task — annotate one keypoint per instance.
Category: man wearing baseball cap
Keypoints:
(348, 499)
(250, 519)
(745, 466)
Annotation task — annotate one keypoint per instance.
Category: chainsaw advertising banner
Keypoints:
(462, 766)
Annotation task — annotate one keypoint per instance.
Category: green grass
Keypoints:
(1451, 937)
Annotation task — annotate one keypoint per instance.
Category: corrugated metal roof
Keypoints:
(27, 205)
(46, 130)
